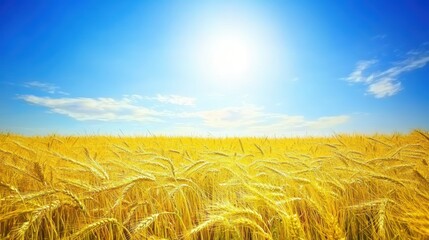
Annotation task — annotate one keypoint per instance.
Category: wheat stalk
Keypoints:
(10, 188)
(35, 215)
(93, 226)
(78, 202)
(381, 221)
(213, 221)
(242, 221)
(146, 222)
(124, 183)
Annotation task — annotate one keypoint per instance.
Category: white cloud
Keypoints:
(174, 99)
(386, 83)
(384, 88)
(230, 117)
(328, 122)
(242, 120)
(100, 109)
(285, 124)
(357, 75)
(250, 119)
(45, 87)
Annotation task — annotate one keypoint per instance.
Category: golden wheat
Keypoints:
(104, 187)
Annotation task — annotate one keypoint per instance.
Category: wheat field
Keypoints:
(108, 187)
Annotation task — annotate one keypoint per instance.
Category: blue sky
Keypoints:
(214, 68)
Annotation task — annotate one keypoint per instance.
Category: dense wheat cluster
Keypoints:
(93, 187)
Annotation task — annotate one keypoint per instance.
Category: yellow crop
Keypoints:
(104, 187)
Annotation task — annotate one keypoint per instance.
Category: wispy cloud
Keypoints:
(385, 87)
(385, 83)
(228, 117)
(379, 36)
(250, 119)
(327, 122)
(174, 99)
(45, 87)
(281, 124)
(100, 109)
(241, 120)
(357, 76)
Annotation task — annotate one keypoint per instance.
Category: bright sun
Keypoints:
(228, 57)
(231, 52)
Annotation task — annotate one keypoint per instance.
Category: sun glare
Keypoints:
(228, 57)
(237, 50)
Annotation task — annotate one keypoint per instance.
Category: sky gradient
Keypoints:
(214, 68)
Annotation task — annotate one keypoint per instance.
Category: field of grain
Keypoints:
(95, 187)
